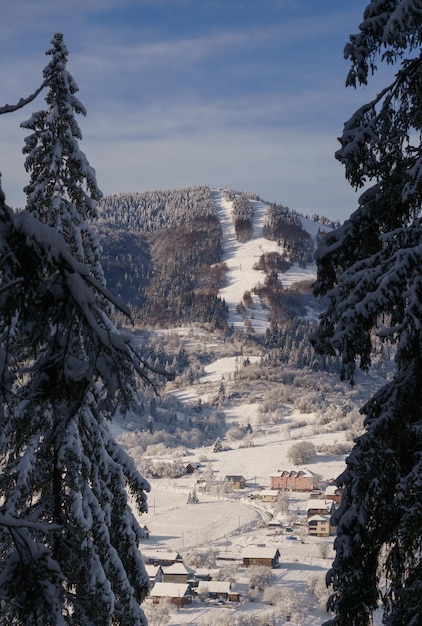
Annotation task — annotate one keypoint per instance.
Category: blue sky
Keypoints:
(244, 93)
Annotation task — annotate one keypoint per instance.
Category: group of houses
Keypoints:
(172, 580)
(320, 505)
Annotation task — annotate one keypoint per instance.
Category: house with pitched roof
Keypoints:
(293, 480)
(222, 589)
(320, 526)
(179, 594)
(257, 555)
(177, 573)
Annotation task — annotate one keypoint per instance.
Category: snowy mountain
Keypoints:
(208, 256)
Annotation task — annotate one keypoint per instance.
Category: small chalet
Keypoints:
(256, 555)
(177, 593)
(177, 573)
(192, 467)
(317, 506)
(155, 573)
(319, 526)
(269, 495)
(275, 525)
(238, 481)
(162, 558)
(202, 573)
(293, 480)
(218, 589)
(334, 493)
(146, 532)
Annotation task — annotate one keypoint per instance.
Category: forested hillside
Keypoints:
(162, 252)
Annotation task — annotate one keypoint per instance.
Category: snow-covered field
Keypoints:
(230, 522)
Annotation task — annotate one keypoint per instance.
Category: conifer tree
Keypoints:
(370, 271)
(63, 187)
(68, 534)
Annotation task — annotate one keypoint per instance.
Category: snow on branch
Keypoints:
(9, 108)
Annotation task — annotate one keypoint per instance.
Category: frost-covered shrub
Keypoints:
(308, 403)
(272, 595)
(301, 452)
(229, 573)
(201, 558)
(335, 448)
(164, 469)
(158, 614)
(260, 577)
(317, 586)
(235, 433)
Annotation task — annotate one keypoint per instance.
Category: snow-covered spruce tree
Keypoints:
(369, 270)
(68, 537)
(63, 187)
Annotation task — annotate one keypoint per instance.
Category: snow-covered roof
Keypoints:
(319, 518)
(178, 568)
(214, 586)
(318, 503)
(157, 555)
(260, 552)
(170, 590)
(269, 492)
(152, 570)
(332, 490)
(293, 472)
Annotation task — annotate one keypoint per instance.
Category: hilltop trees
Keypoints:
(369, 270)
(68, 536)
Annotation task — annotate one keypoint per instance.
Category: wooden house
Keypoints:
(238, 481)
(334, 493)
(218, 589)
(192, 467)
(276, 525)
(269, 495)
(257, 555)
(155, 573)
(319, 506)
(177, 573)
(177, 593)
(320, 526)
(293, 480)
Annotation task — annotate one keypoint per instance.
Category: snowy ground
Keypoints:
(241, 257)
(228, 523)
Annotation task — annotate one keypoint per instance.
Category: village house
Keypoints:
(319, 526)
(275, 525)
(192, 467)
(162, 558)
(146, 532)
(155, 573)
(269, 495)
(218, 589)
(334, 493)
(317, 506)
(257, 555)
(293, 480)
(177, 593)
(238, 481)
(177, 573)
